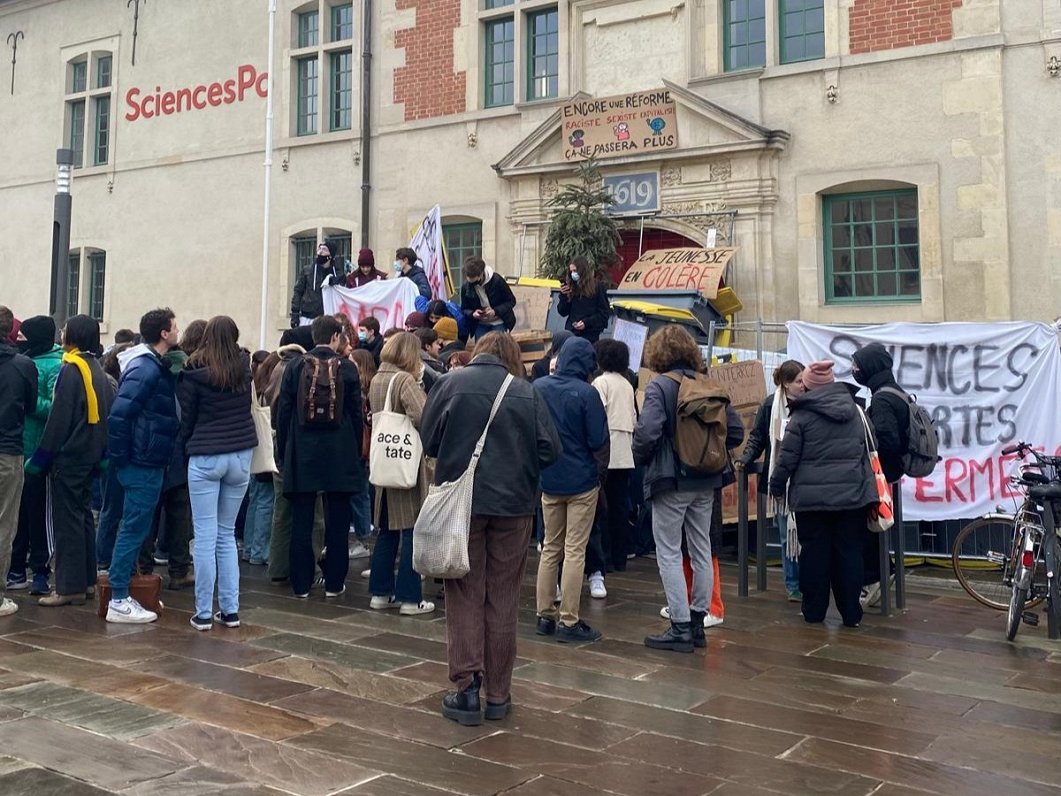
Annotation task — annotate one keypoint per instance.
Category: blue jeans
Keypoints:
(110, 517)
(381, 582)
(259, 525)
(216, 486)
(483, 329)
(142, 486)
(360, 506)
(789, 566)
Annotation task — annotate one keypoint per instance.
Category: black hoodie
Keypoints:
(18, 397)
(889, 412)
(824, 454)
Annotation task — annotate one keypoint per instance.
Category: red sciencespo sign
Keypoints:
(164, 103)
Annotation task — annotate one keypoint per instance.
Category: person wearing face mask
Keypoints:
(486, 299)
(871, 366)
(368, 337)
(307, 302)
(771, 421)
(405, 266)
(366, 272)
(584, 301)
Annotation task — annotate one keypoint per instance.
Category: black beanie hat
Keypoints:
(39, 330)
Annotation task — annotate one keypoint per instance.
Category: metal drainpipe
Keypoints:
(366, 121)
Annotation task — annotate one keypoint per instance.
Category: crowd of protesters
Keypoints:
(177, 439)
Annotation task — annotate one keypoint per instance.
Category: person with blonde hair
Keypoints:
(396, 510)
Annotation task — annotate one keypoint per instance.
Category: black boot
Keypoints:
(676, 639)
(463, 706)
(696, 628)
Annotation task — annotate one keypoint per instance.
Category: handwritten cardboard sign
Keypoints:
(625, 124)
(679, 269)
(746, 386)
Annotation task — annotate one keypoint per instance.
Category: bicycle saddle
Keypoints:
(1051, 491)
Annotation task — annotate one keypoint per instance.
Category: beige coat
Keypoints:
(407, 397)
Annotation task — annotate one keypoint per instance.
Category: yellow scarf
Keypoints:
(71, 358)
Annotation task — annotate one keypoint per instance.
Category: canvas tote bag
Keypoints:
(882, 514)
(394, 458)
(440, 535)
(262, 459)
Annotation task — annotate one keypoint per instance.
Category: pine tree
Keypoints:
(579, 227)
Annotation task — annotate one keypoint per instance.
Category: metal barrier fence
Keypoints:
(890, 543)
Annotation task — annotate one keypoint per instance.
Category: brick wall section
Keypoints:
(889, 24)
(427, 84)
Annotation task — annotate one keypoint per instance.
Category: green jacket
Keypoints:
(48, 365)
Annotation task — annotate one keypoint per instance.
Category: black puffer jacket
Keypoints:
(18, 397)
(824, 454)
(522, 440)
(759, 441)
(214, 421)
(889, 412)
(498, 293)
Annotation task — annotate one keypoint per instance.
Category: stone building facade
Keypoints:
(871, 160)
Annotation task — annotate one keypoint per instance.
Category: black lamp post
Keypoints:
(60, 287)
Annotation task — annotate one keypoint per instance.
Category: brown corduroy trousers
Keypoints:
(482, 608)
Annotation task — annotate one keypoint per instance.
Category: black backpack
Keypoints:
(320, 392)
(922, 447)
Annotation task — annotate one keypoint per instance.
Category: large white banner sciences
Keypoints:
(986, 386)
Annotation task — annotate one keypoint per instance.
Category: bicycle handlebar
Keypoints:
(1010, 450)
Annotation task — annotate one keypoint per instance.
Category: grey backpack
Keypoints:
(922, 447)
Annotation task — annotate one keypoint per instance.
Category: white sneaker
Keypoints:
(415, 609)
(558, 597)
(380, 603)
(358, 550)
(366, 573)
(129, 612)
(870, 595)
(665, 612)
(596, 586)
(8, 607)
(712, 621)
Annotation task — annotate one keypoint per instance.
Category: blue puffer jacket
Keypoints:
(580, 419)
(143, 425)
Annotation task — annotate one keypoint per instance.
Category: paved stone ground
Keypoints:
(324, 697)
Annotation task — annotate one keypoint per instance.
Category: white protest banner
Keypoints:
(427, 243)
(634, 335)
(389, 301)
(986, 385)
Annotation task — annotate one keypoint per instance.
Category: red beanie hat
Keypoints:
(366, 257)
(818, 374)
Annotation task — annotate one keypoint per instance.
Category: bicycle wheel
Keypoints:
(985, 580)
(1016, 607)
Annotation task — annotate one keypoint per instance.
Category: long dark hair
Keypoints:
(587, 278)
(220, 354)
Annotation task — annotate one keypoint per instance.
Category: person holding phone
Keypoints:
(584, 301)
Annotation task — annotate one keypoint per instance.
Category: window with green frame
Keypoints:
(744, 34)
(303, 253)
(78, 77)
(73, 284)
(872, 247)
(76, 138)
(543, 54)
(342, 22)
(101, 130)
(97, 277)
(500, 62)
(342, 82)
(308, 29)
(462, 240)
(489, 4)
(802, 30)
(306, 107)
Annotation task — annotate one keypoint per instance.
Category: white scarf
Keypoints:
(779, 415)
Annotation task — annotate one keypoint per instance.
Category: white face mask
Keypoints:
(397, 265)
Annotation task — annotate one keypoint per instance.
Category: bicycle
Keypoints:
(1039, 549)
(984, 556)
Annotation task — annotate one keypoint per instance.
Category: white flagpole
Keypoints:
(263, 331)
